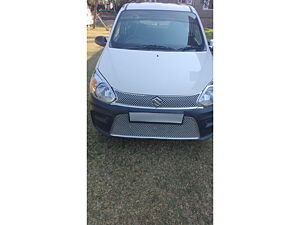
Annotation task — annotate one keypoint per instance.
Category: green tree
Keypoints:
(119, 3)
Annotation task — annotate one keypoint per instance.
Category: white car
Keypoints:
(154, 78)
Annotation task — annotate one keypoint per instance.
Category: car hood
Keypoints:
(156, 72)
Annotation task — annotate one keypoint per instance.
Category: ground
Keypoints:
(133, 181)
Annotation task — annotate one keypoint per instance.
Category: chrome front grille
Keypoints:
(122, 127)
(141, 100)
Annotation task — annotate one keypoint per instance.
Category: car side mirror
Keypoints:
(211, 44)
(101, 40)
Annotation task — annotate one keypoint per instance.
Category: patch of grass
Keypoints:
(94, 50)
(133, 181)
(209, 33)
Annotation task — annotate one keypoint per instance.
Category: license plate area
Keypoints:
(156, 117)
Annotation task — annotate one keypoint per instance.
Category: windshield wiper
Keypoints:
(153, 47)
(159, 47)
(187, 48)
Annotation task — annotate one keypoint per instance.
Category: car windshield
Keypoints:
(158, 30)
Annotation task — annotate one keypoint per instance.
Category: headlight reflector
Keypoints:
(100, 88)
(206, 97)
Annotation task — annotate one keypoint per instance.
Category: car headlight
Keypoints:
(206, 97)
(101, 89)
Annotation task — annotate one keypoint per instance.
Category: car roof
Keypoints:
(157, 6)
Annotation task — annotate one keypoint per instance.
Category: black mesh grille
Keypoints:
(165, 101)
(187, 130)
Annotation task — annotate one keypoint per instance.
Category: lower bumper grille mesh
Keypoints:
(124, 128)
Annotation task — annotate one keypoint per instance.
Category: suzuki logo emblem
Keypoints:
(156, 101)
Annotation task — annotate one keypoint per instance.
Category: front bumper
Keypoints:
(103, 117)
